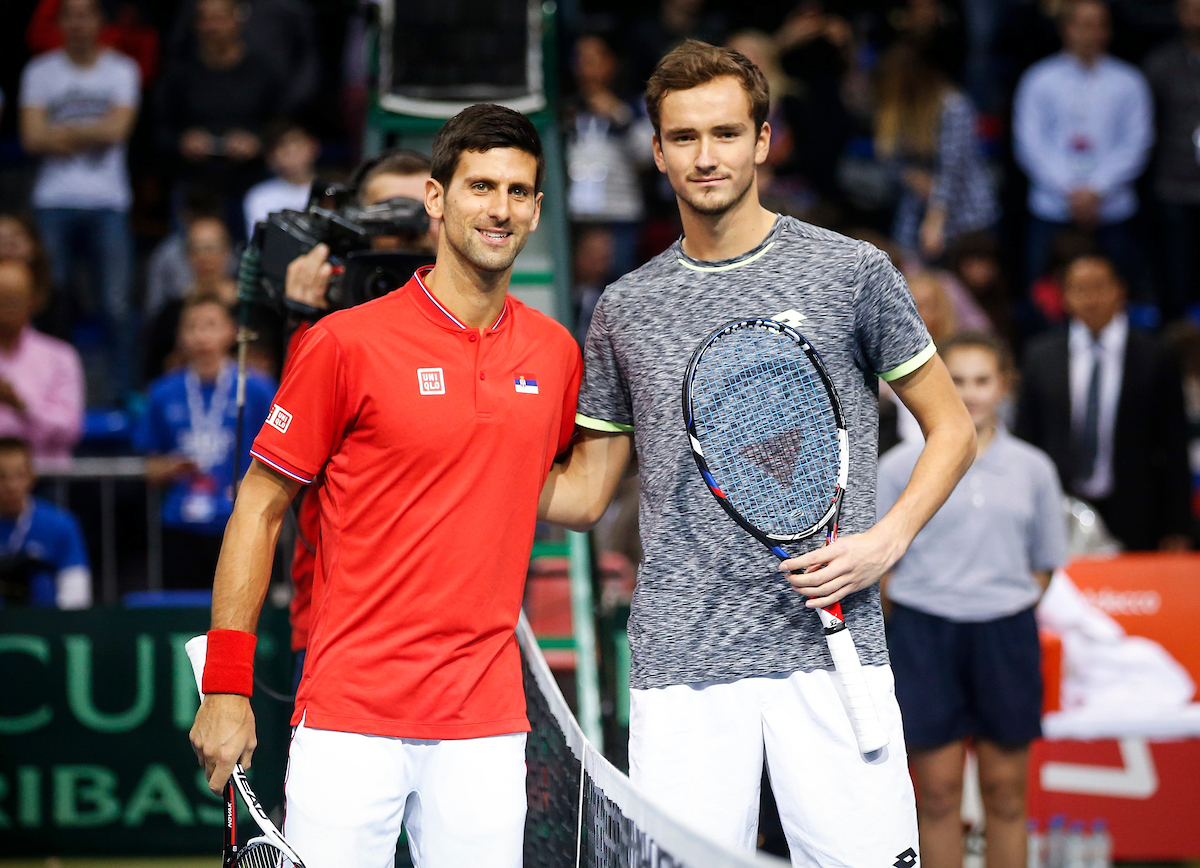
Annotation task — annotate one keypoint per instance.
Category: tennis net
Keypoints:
(583, 812)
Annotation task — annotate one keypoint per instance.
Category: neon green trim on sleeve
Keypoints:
(601, 425)
(911, 365)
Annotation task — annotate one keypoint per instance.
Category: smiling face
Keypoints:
(488, 207)
(980, 380)
(708, 147)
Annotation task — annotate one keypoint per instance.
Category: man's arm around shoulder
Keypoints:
(223, 733)
(577, 492)
(854, 562)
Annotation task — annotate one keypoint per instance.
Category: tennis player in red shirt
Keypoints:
(426, 422)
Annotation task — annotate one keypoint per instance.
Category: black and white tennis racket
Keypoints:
(268, 850)
(766, 430)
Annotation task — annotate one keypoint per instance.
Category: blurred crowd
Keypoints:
(1033, 166)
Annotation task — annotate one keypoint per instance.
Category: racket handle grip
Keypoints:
(868, 730)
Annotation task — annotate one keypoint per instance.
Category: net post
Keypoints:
(583, 622)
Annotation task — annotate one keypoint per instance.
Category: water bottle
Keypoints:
(1033, 845)
(1075, 847)
(1056, 842)
(1101, 849)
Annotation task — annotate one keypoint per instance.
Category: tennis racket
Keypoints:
(766, 429)
(268, 850)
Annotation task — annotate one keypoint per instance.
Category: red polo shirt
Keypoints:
(427, 443)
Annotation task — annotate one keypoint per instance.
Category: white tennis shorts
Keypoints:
(462, 801)
(698, 750)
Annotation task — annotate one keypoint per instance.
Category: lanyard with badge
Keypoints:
(16, 539)
(206, 442)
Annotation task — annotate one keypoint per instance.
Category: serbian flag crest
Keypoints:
(525, 384)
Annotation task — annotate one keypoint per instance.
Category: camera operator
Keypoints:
(397, 173)
(394, 174)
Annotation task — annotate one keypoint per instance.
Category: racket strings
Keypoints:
(769, 435)
(261, 854)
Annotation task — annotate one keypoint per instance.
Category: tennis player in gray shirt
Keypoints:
(729, 663)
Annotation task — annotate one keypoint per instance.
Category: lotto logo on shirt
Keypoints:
(526, 384)
(432, 381)
(279, 418)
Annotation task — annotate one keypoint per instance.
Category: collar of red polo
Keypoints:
(440, 313)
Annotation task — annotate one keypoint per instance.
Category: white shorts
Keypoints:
(697, 749)
(462, 801)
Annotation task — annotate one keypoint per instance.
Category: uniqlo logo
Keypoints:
(280, 419)
(432, 381)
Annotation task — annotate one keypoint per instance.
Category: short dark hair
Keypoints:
(15, 444)
(695, 63)
(1069, 7)
(200, 299)
(482, 127)
(397, 161)
(980, 341)
(1093, 256)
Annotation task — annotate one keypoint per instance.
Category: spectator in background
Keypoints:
(668, 23)
(215, 103)
(20, 241)
(78, 107)
(189, 432)
(1183, 336)
(607, 144)
(936, 30)
(1105, 402)
(41, 378)
(292, 156)
(974, 261)
(926, 128)
(593, 270)
(43, 559)
(128, 34)
(280, 32)
(168, 273)
(961, 628)
(816, 50)
(209, 250)
(1173, 71)
(1082, 131)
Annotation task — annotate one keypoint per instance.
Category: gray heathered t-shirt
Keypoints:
(710, 603)
(975, 559)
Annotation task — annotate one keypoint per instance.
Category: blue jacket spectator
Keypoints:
(189, 431)
(43, 559)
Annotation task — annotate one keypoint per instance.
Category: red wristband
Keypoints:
(229, 663)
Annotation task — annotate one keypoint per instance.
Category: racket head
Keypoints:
(261, 853)
(766, 429)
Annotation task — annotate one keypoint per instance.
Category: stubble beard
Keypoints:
(473, 251)
(717, 208)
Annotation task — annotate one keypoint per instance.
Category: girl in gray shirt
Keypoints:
(961, 631)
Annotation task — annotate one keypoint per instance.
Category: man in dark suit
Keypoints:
(1106, 403)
